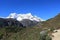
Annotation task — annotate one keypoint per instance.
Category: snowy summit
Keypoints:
(20, 17)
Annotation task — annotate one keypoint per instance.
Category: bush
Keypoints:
(44, 35)
(52, 29)
(48, 38)
(1, 35)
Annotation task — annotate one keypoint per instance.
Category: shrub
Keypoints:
(44, 35)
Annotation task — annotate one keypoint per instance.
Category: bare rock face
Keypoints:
(28, 23)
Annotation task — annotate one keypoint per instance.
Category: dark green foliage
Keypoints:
(52, 29)
(1, 35)
(48, 38)
(13, 29)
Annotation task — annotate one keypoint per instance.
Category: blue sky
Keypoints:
(42, 8)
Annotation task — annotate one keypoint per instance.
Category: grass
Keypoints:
(26, 34)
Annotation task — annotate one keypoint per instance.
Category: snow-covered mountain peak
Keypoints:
(20, 17)
(12, 15)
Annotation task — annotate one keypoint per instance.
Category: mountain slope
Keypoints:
(10, 22)
(53, 22)
(29, 23)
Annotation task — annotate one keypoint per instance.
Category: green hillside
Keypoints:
(31, 33)
(53, 22)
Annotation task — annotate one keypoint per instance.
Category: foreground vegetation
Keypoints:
(15, 33)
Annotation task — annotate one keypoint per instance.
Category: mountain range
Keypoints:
(26, 20)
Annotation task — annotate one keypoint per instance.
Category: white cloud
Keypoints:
(20, 16)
